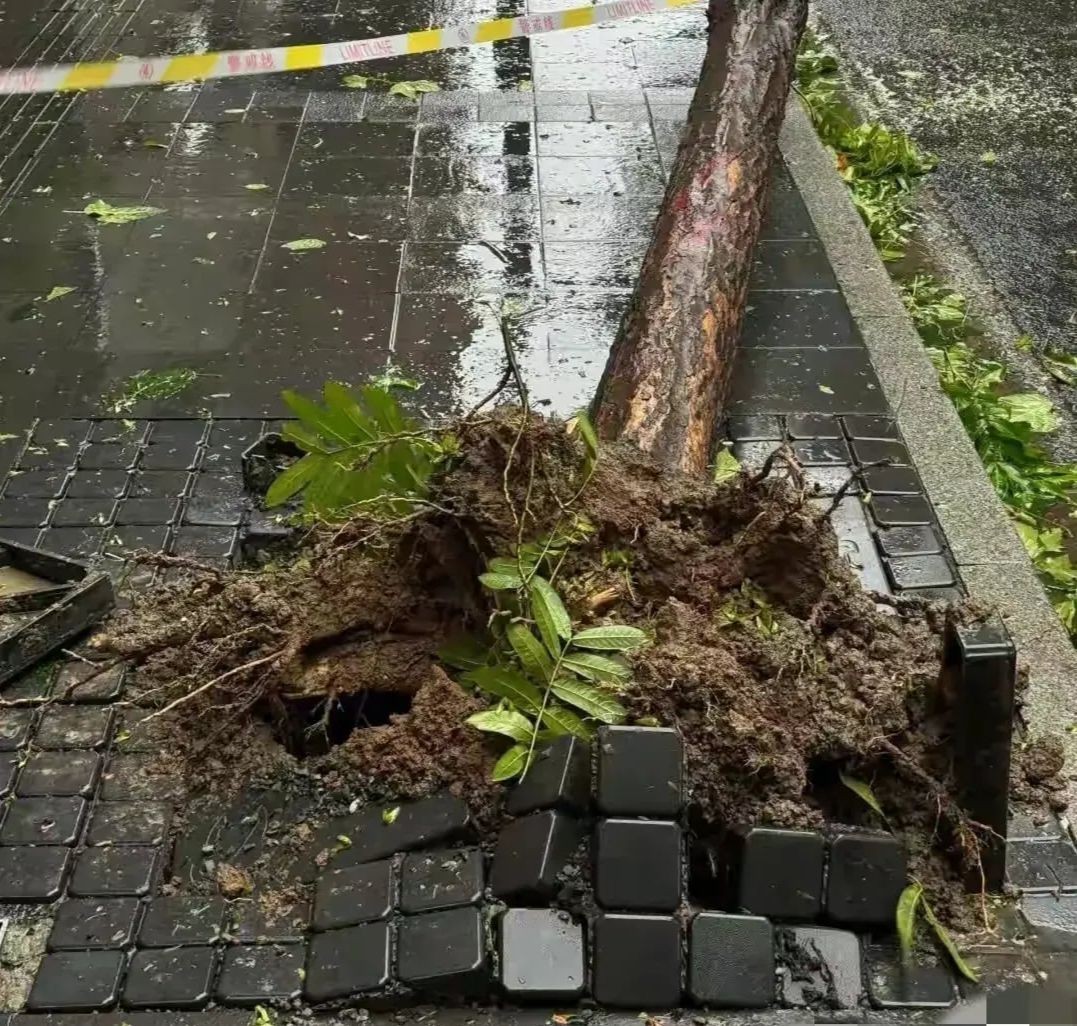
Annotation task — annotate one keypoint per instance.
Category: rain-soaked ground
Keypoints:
(534, 175)
(990, 88)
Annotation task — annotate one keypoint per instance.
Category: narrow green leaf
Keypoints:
(293, 480)
(505, 566)
(612, 638)
(593, 701)
(948, 943)
(530, 651)
(550, 614)
(304, 437)
(505, 683)
(564, 721)
(581, 425)
(463, 653)
(340, 400)
(864, 792)
(511, 764)
(905, 917)
(334, 427)
(501, 582)
(595, 667)
(503, 721)
(106, 213)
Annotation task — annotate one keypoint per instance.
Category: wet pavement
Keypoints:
(989, 88)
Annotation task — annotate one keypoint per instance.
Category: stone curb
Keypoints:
(989, 554)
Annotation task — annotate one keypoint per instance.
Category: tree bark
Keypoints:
(665, 379)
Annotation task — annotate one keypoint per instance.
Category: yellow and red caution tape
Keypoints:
(133, 71)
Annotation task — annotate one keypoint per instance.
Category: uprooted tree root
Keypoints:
(779, 671)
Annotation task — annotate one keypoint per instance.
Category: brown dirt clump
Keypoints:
(777, 668)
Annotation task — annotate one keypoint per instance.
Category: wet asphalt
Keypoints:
(532, 176)
(991, 89)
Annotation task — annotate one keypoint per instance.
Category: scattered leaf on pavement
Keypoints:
(106, 213)
(302, 245)
(58, 292)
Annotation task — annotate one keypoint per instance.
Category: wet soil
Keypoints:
(780, 672)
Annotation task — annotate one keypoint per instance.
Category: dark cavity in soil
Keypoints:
(309, 726)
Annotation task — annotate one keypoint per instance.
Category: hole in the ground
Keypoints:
(311, 726)
(838, 803)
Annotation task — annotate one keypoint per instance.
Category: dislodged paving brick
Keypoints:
(530, 853)
(95, 923)
(443, 952)
(542, 955)
(731, 961)
(434, 880)
(639, 771)
(181, 919)
(354, 960)
(256, 974)
(170, 978)
(637, 961)
(820, 966)
(77, 981)
(559, 777)
(778, 873)
(356, 895)
(865, 878)
(638, 865)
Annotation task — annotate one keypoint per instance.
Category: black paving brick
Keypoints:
(73, 727)
(358, 894)
(249, 923)
(1053, 920)
(778, 873)
(812, 425)
(97, 484)
(77, 981)
(785, 265)
(821, 452)
(920, 572)
(94, 923)
(24, 513)
(32, 874)
(181, 919)
(838, 980)
(43, 484)
(258, 974)
(796, 380)
(44, 821)
(176, 978)
(15, 727)
(84, 682)
(435, 880)
(443, 952)
(559, 777)
(146, 511)
(901, 510)
(530, 854)
(909, 541)
(637, 961)
(865, 877)
(731, 961)
(542, 955)
(755, 429)
(129, 777)
(82, 513)
(878, 451)
(872, 427)
(122, 871)
(129, 823)
(639, 771)
(638, 865)
(893, 983)
(892, 481)
(75, 542)
(354, 960)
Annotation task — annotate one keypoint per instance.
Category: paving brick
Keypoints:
(637, 961)
(435, 880)
(32, 874)
(177, 978)
(257, 974)
(1027, 868)
(128, 870)
(43, 821)
(559, 778)
(181, 919)
(529, 855)
(894, 984)
(75, 981)
(94, 923)
(250, 923)
(638, 865)
(812, 425)
(359, 894)
(73, 727)
(443, 952)
(639, 771)
(542, 955)
(731, 961)
(909, 541)
(84, 682)
(900, 510)
(820, 965)
(354, 960)
(778, 873)
(1053, 918)
(907, 572)
(59, 774)
(866, 875)
(15, 727)
(129, 823)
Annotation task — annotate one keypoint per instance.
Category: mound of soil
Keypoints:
(778, 669)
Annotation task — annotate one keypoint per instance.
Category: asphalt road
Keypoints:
(991, 89)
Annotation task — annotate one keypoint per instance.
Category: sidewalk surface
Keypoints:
(433, 214)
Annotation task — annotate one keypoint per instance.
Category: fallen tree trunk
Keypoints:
(664, 381)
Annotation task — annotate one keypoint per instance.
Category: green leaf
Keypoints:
(593, 701)
(388, 816)
(463, 653)
(355, 81)
(612, 638)
(256, 187)
(327, 422)
(530, 651)
(302, 245)
(581, 425)
(550, 614)
(412, 89)
(1061, 366)
(505, 683)
(595, 667)
(1031, 409)
(293, 480)
(501, 582)
(726, 467)
(58, 292)
(503, 721)
(106, 213)
(511, 764)
(564, 721)
(948, 943)
(905, 917)
(864, 792)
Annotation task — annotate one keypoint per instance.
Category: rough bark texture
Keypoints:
(666, 376)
